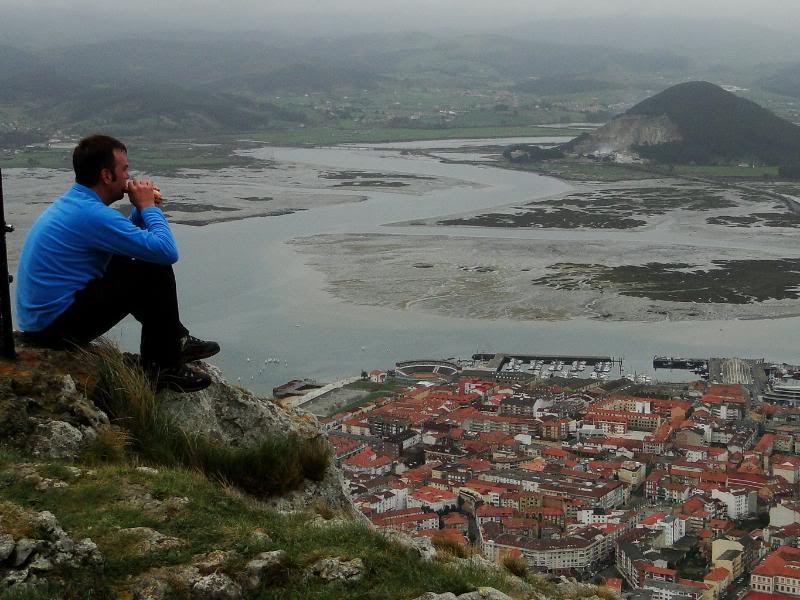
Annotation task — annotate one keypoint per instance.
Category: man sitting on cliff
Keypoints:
(84, 267)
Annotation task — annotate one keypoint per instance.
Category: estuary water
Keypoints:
(241, 283)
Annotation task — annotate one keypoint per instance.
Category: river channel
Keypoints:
(241, 283)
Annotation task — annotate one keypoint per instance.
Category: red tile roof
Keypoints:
(784, 562)
(767, 596)
(717, 574)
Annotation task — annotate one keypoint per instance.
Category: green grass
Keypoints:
(50, 158)
(100, 502)
(144, 157)
(330, 135)
(371, 386)
(376, 390)
(725, 171)
(574, 169)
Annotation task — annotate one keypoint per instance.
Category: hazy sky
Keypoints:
(406, 14)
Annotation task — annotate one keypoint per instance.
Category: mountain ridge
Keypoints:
(696, 122)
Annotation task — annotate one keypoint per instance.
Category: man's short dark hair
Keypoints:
(92, 155)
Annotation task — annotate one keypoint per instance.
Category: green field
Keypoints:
(160, 158)
(578, 169)
(725, 171)
(316, 136)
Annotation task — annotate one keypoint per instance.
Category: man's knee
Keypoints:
(139, 273)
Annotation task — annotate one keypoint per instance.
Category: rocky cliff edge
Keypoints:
(83, 515)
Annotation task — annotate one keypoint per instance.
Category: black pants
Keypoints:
(142, 289)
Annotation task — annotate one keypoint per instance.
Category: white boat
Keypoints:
(593, 375)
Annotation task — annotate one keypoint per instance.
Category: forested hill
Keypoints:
(718, 126)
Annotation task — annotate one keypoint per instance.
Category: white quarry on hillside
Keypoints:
(625, 131)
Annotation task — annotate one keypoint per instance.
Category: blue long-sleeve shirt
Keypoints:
(71, 243)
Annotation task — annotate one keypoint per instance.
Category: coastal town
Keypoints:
(658, 491)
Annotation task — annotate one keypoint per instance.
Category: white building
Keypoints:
(783, 514)
(581, 551)
(592, 516)
(672, 528)
(381, 502)
(432, 499)
(740, 503)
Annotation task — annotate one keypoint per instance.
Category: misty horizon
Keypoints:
(59, 22)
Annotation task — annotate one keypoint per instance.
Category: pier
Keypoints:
(670, 362)
(496, 361)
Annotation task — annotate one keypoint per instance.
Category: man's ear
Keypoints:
(106, 176)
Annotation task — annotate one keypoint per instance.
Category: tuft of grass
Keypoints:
(8, 456)
(516, 565)
(108, 447)
(16, 521)
(449, 546)
(323, 509)
(275, 466)
(278, 464)
(32, 593)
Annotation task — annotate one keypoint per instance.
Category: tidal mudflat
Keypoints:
(493, 278)
(639, 250)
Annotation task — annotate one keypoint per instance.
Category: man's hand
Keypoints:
(143, 193)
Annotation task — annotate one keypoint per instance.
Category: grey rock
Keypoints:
(259, 537)
(74, 471)
(476, 561)
(162, 582)
(236, 417)
(6, 546)
(77, 404)
(49, 524)
(65, 546)
(337, 569)
(211, 562)
(68, 386)
(256, 569)
(422, 546)
(268, 559)
(331, 490)
(40, 565)
(216, 586)
(485, 593)
(151, 540)
(148, 587)
(147, 470)
(435, 596)
(14, 579)
(224, 414)
(87, 552)
(56, 439)
(23, 551)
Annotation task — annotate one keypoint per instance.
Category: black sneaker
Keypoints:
(181, 379)
(193, 349)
